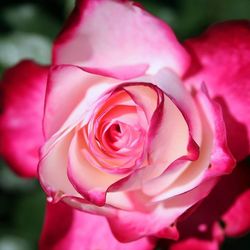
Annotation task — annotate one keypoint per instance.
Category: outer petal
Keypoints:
(108, 34)
(157, 221)
(221, 59)
(225, 212)
(23, 90)
(69, 229)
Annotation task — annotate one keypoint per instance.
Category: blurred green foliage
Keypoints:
(27, 29)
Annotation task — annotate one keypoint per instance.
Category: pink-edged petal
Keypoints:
(180, 127)
(66, 228)
(22, 92)
(221, 59)
(52, 169)
(90, 181)
(175, 122)
(171, 142)
(195, 244)
(157, 220)
(143, 95)
(110, 34)
(222, 161)
(215, 158)
(175, 102)
(55, 182)
(120, 72)
(69, 87)
(225, 212)
(170, 83)
(129, 226)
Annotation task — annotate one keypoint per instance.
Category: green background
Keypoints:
(27, 29)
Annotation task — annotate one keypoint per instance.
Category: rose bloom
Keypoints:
(129, 131)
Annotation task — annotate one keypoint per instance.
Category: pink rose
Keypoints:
(135, 127)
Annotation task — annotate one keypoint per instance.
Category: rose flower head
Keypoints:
(131, 126)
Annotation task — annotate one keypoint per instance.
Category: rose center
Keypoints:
(121, 137)
(114, 132)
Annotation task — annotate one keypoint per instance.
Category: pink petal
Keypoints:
(225, 212)
(142, 94)
(215, 159)
(171, 142)
(90, 181)
(179, 127)
(122, 72)
(169, 134)
(69, 87)
(23, 92)
(171, 84)
(110, 34)
(222, 161)
(53, 169)
(221, 59)
(66, 228)
(177, 104)
(157, 220)
(128, 226)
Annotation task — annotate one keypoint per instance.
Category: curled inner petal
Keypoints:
(116, 134)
